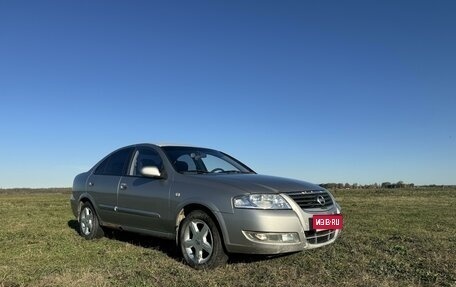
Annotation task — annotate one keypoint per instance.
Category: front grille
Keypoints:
(316, 237)
(311, 198)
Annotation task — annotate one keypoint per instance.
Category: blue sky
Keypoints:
(325, 91)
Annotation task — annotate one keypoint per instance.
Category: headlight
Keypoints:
(261, 201)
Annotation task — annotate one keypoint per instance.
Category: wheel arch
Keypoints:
(83, 198)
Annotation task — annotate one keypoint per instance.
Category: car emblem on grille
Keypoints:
(321, 200)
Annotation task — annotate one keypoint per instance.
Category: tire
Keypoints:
(89, 225)
(200, 241)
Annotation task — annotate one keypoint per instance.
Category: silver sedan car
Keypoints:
(210, 203)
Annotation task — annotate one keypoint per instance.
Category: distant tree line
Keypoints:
(399, 184)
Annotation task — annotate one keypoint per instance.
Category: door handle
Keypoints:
(123, 186)
(90, 183)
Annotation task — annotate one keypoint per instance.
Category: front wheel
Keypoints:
(200, 241)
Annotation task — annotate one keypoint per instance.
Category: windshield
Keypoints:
(201, 160)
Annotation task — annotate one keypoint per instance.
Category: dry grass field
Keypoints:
(391, 238)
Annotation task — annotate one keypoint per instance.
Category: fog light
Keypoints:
(260, 236)
(290, 237)
(272, 237)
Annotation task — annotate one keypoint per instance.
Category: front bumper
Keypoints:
(295, 220)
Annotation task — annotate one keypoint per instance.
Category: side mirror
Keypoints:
(150, 171)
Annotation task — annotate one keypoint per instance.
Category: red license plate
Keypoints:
(329, 221)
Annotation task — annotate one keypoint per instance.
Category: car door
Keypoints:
(103, 184)
(144, 201)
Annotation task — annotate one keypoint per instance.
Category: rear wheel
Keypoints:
(89, 225)
(200, 241)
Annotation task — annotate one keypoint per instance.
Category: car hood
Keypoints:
(256, 183)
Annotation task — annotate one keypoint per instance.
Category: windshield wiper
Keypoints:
(198, 171)
(232, 171)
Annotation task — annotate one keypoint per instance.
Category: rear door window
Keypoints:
(115, 164)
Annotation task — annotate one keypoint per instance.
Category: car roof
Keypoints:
(172, 144)
(169, 145)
